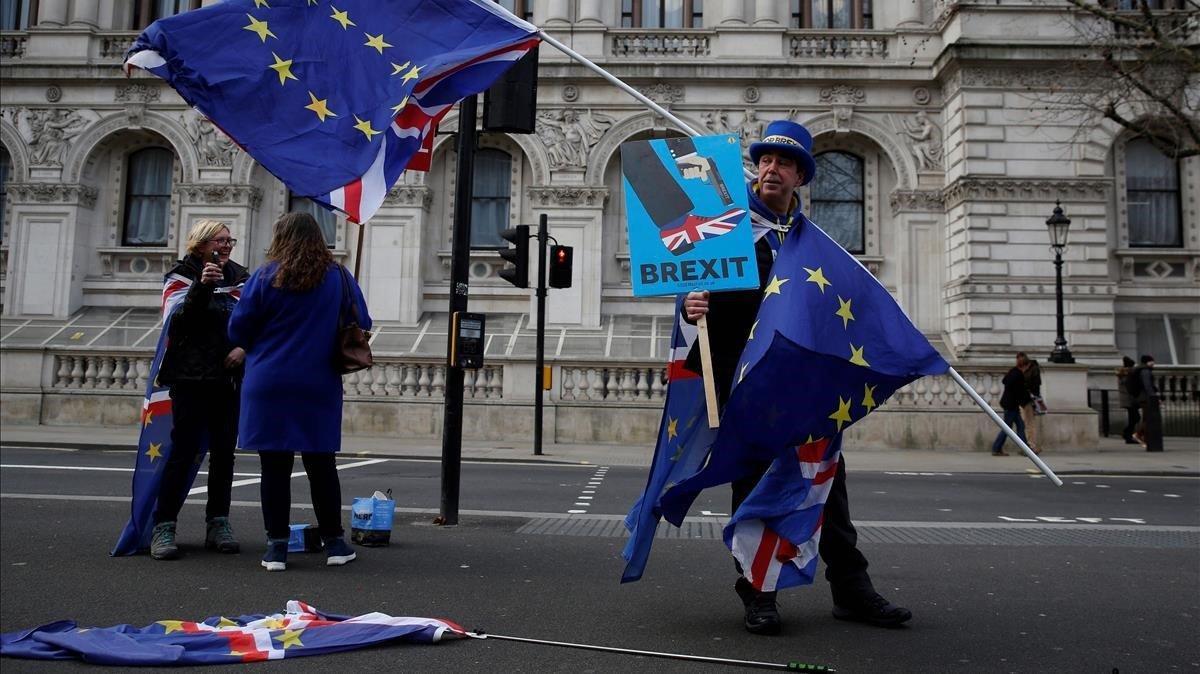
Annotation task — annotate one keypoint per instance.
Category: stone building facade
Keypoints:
(927, 111)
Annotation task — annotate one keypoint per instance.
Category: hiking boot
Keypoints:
(275, 558)
(762, 614)
(870, 608)
(337, 551)
(162, 542)
(220, 536)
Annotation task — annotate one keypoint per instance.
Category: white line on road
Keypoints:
(256, 480)
(105, 469)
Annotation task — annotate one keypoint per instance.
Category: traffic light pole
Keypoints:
(539, 375)
(459, 259)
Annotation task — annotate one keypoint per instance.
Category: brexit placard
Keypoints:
(688, 216)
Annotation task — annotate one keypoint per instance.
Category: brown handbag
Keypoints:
(353, 351)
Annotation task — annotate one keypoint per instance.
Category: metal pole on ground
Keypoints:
(538, 375)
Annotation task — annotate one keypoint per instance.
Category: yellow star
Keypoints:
(809, 441)
(869, 397)
(377, 42)
(171, 626)
(365, 126)
(398, 68)
(842, 415)
(259, 27)
(817, 277)
(284, 68)
(261, 3)
(844, 312)
(672, 429)
(341, 17)
(289, 638)
(752, 327)
(153, 452)
(678, 453)
(274, 624)
(856, 356)
(320, 107)
(773, 288)
(226, 622)
(399, 106)
(410, 75)
(148, 418)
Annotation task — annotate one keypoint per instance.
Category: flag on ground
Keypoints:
(301, 630)
(333, 99)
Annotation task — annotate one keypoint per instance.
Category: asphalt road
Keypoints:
(1003, 573)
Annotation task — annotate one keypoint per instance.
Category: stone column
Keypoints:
(52, 12)
(47, 248)
(392, 254)
(765, 13)
(908, 13)
(558, 11)
(590, 11)
(733, 11)
(85, 13)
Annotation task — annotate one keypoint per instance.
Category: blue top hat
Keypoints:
(791, 139)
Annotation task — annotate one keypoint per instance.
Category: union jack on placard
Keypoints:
(697, 228)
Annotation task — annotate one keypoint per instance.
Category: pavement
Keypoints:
(1111, 456)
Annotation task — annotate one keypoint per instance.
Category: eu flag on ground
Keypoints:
(334, 97)
(301, 630)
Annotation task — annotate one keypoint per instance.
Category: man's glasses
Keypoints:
(224, 241)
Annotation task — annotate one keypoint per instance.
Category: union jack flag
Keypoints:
(299, 631)
(697, 228)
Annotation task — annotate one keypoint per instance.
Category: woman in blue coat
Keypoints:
(287, 322)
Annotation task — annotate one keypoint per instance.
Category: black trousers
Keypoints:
(323, 482)
(199, 408)
(845, 565)
(1134, 415)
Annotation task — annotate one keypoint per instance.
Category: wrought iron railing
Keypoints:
(1178, 398)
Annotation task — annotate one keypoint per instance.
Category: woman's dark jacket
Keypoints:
(1015, 394)
(198, 338)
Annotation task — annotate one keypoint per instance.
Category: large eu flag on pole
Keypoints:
(336, 98)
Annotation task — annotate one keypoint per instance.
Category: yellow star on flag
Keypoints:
(226, 622)
(377, 42)
(774, 287)
(289, 638)
(147, 419)
(258, 4)
(844, 312)
(410, 75)
(341, 17)
(171, 626)
(856, 356)
(260, 28)
(842, 415)
(399, 106)
(365, 126)
(809, 441)
(274, 624)
(284, 68)
(399, 68)
(320, 107)
(672, 429)
(752, 327)
(818, 277)
(869, 397)
(678, 453)
(153, 451)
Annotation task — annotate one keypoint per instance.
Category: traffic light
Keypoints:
(510, 105)
(518, 255)
(560, 266)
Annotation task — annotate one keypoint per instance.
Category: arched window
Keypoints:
(1152, 195)
(17, 14)
(662, 13)
(326, 218)
(146, 12)
(837, 198)
(491, 197)
(832, 14)
(148, 197)
(5, 169)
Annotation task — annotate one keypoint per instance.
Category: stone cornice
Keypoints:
(1007, 189)
(409, 195)
(52, 193)
(216, 193)
(923, 201)
(568, 196)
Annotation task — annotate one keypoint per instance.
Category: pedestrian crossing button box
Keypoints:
(466, 340)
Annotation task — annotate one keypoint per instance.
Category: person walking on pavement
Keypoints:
(202, 369)
(1029, 412)
(784, 162)
(287, 322)
(1014, 397)
(1133, 414)
(1149, 432)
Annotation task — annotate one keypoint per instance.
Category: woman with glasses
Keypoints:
(203, 370)
(287, 321)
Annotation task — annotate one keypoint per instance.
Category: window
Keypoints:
(1152, 195)
(146, 12)
(326, 218)
(522, 8)
(17, 14)
(5, 169)
(490, 200)
(837, 198)
(148, 197)
(1136, 5)
(1165, 337)
(662, 13)
(832, 14)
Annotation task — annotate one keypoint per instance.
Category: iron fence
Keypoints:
(1179, 399)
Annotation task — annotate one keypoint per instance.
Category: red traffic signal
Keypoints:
(561, 258)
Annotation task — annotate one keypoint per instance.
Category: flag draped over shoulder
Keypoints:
(334, 98)
(301, 630)
(684, 439)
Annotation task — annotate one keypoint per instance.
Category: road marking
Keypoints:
(1137, 491)
(584, 499)
(256, 480)
(916, 474)
(103, 469)
(1055, 519)
(1172, 495)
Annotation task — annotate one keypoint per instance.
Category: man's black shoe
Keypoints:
(762, 615)
(872, 609)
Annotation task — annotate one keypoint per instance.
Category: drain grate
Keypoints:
(909, 533)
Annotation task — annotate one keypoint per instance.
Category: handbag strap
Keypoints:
(346, 299)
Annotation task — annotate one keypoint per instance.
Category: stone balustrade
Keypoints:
(397, 378)
(12, 45)
(659, 44)
(842, 45)
(612, 384)
(114, 45)
(101, 371)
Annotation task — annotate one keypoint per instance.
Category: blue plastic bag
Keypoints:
(371, 519)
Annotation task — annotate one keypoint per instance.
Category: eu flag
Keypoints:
(334, 97)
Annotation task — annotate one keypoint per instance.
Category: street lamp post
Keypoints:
(1059, 225)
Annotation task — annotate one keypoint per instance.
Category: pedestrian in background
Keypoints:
(202, 369)
(1015, 396)
(1133, 414)
(287, 322)
(1031, 413)
(1149, 432)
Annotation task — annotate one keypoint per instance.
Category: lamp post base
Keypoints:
(1061, 355)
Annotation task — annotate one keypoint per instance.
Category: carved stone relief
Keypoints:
(568, 196)
(212, 145)
(570, 134)
(144, 93)
(53, 193)
(409, 195)
(206, 193)
(49, 131)
(663, 92)
(923, 138)
(570, 93)
(1007, 189)
(927, 201)
(842, 93)
(750, 128)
